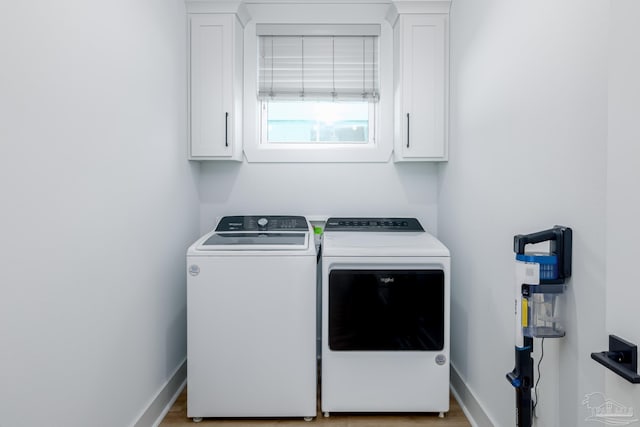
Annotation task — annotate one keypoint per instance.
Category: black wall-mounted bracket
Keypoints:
(622, 358)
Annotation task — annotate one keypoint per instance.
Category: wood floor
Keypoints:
(177, 417)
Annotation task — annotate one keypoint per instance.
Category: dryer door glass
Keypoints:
(386, 310)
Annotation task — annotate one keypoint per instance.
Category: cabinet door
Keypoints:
(211, 85)
(423, 81)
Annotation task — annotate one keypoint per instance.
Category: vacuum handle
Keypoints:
(561, 238)
(521, 240)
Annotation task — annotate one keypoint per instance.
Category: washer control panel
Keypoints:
(262, 223)
(373, 224)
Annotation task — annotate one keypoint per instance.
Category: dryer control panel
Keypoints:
(262, 223)
(373, 224)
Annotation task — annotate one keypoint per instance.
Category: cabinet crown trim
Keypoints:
(405, 7)
(396, 7)
(232, 5)
(236, 7)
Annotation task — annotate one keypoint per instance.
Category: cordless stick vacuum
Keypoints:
(540, 281)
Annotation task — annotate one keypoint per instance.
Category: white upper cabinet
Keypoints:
(215, 86)
(421, 87)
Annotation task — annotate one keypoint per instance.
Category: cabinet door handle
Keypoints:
(226, 129)
(408, 127)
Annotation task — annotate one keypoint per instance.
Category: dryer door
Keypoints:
(386, 310)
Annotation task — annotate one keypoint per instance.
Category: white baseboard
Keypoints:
(156, 410)
(468, 401)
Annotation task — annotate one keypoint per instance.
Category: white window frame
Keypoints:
(256, 149)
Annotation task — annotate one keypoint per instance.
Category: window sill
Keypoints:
(330, 153)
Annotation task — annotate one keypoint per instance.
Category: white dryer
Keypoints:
(251, 319)
(385, 317)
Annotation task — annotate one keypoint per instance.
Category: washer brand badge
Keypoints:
(607, 411)
(194, 270)
(387, 280)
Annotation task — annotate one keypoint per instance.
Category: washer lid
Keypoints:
(257, 233)
(253, 239)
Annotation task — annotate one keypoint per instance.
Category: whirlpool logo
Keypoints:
(387, 280)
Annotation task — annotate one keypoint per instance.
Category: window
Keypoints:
(317, 88)
(318, 92)
(318, 122)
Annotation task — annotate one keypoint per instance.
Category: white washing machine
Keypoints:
(385, 317)
(251, 319)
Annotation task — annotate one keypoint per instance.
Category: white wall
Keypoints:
(527, 151)
(372, 189)
(623, 198)
(98, 207)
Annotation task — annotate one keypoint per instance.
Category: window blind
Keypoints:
(318, 67)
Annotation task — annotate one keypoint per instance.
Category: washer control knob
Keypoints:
(262, 222)
(441, 359)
